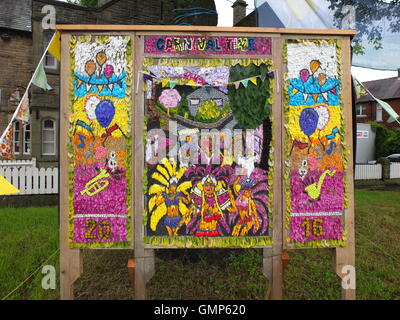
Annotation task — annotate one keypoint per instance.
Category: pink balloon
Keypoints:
(108, 71)
(304, 75)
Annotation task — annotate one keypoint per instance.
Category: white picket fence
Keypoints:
(24, 175)
(368, 172)
(395, 170)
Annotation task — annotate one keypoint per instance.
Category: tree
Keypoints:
(368, 13)
(85, 3)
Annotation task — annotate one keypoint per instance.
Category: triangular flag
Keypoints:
(325, 96)
(23, 112)
(334, 91)
(237, 84)
(79, 81)
(40, 79)
(393, 114)
(245, 82)
(172, 84)
(88, 87)
(315, 96)
(164, 83)
(7, 145)
(55, 46)
(100, 87)
(6, 187)
(254, 80)
(294, 91)
(111, 86)
(305, 95)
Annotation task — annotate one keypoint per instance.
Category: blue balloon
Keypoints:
(309, 121)
(105, 112)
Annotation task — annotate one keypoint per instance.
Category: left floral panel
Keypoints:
(100, 141)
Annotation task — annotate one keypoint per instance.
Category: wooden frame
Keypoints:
(71, 264)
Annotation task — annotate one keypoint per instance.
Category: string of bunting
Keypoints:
(39, 79)
(191, 83)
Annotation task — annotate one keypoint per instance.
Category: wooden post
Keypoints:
(70, 259)
(131, 270)
(345, 257)
(145, 267)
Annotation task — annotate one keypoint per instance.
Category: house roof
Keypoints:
(16, 15)
(384, 89)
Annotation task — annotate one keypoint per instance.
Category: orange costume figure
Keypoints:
(245, 206)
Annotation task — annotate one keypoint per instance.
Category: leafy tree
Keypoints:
(368, 12)
(85, 3)
(386, 141)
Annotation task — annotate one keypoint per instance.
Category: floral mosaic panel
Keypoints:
(100, 141)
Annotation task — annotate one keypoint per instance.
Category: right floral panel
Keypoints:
(315, 150)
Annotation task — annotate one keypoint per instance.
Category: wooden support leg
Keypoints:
(344, 265)
(131, 270)
(70, 270)
(144, 271)
(273, 269)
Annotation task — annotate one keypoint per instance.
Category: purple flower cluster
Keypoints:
(330, 228)
(117, 231)
(111, 200)
(331, 198)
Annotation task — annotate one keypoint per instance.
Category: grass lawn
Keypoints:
(207, 274)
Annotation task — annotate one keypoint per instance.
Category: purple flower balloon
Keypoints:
(309, 121)
(304, 75)
(105, 112)
(108, 71)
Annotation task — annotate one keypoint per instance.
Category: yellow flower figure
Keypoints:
(169, 197)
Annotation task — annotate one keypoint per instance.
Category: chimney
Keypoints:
(239, 11)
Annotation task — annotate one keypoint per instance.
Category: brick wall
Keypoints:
(16, 62)
(371, 113)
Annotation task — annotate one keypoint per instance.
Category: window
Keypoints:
(27, 139)
(49, 61)
(195, 102)
(361, 110)
(48, 137)
(16, 140)
(219, 102)
(379, 113)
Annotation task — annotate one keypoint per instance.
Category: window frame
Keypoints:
(54, 129)
(25, 142)
(46, 42)
(19, 138)
(379, 110)
(363, 109)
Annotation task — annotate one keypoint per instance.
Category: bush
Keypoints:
(386, 142)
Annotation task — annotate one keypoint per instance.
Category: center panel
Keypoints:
(207, 176)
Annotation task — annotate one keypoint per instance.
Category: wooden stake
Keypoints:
(70, 259)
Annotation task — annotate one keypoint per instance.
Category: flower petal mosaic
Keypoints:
(315, 150)
(100, 141)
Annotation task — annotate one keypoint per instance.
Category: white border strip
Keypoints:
(99, 216)
(317, 214)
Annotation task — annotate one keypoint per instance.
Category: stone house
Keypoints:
(196, 98)
(22, 42)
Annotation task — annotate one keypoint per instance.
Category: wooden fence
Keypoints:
(395, 170)
(24, 175)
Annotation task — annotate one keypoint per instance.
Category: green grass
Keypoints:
(209, 274)
(28, 236)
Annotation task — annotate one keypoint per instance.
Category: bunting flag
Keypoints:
(40, 79)
(55, 46)
(7, 146)
(254, 80)
(6, 187)
(393, 115)
(23, 111)
(191, 83)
